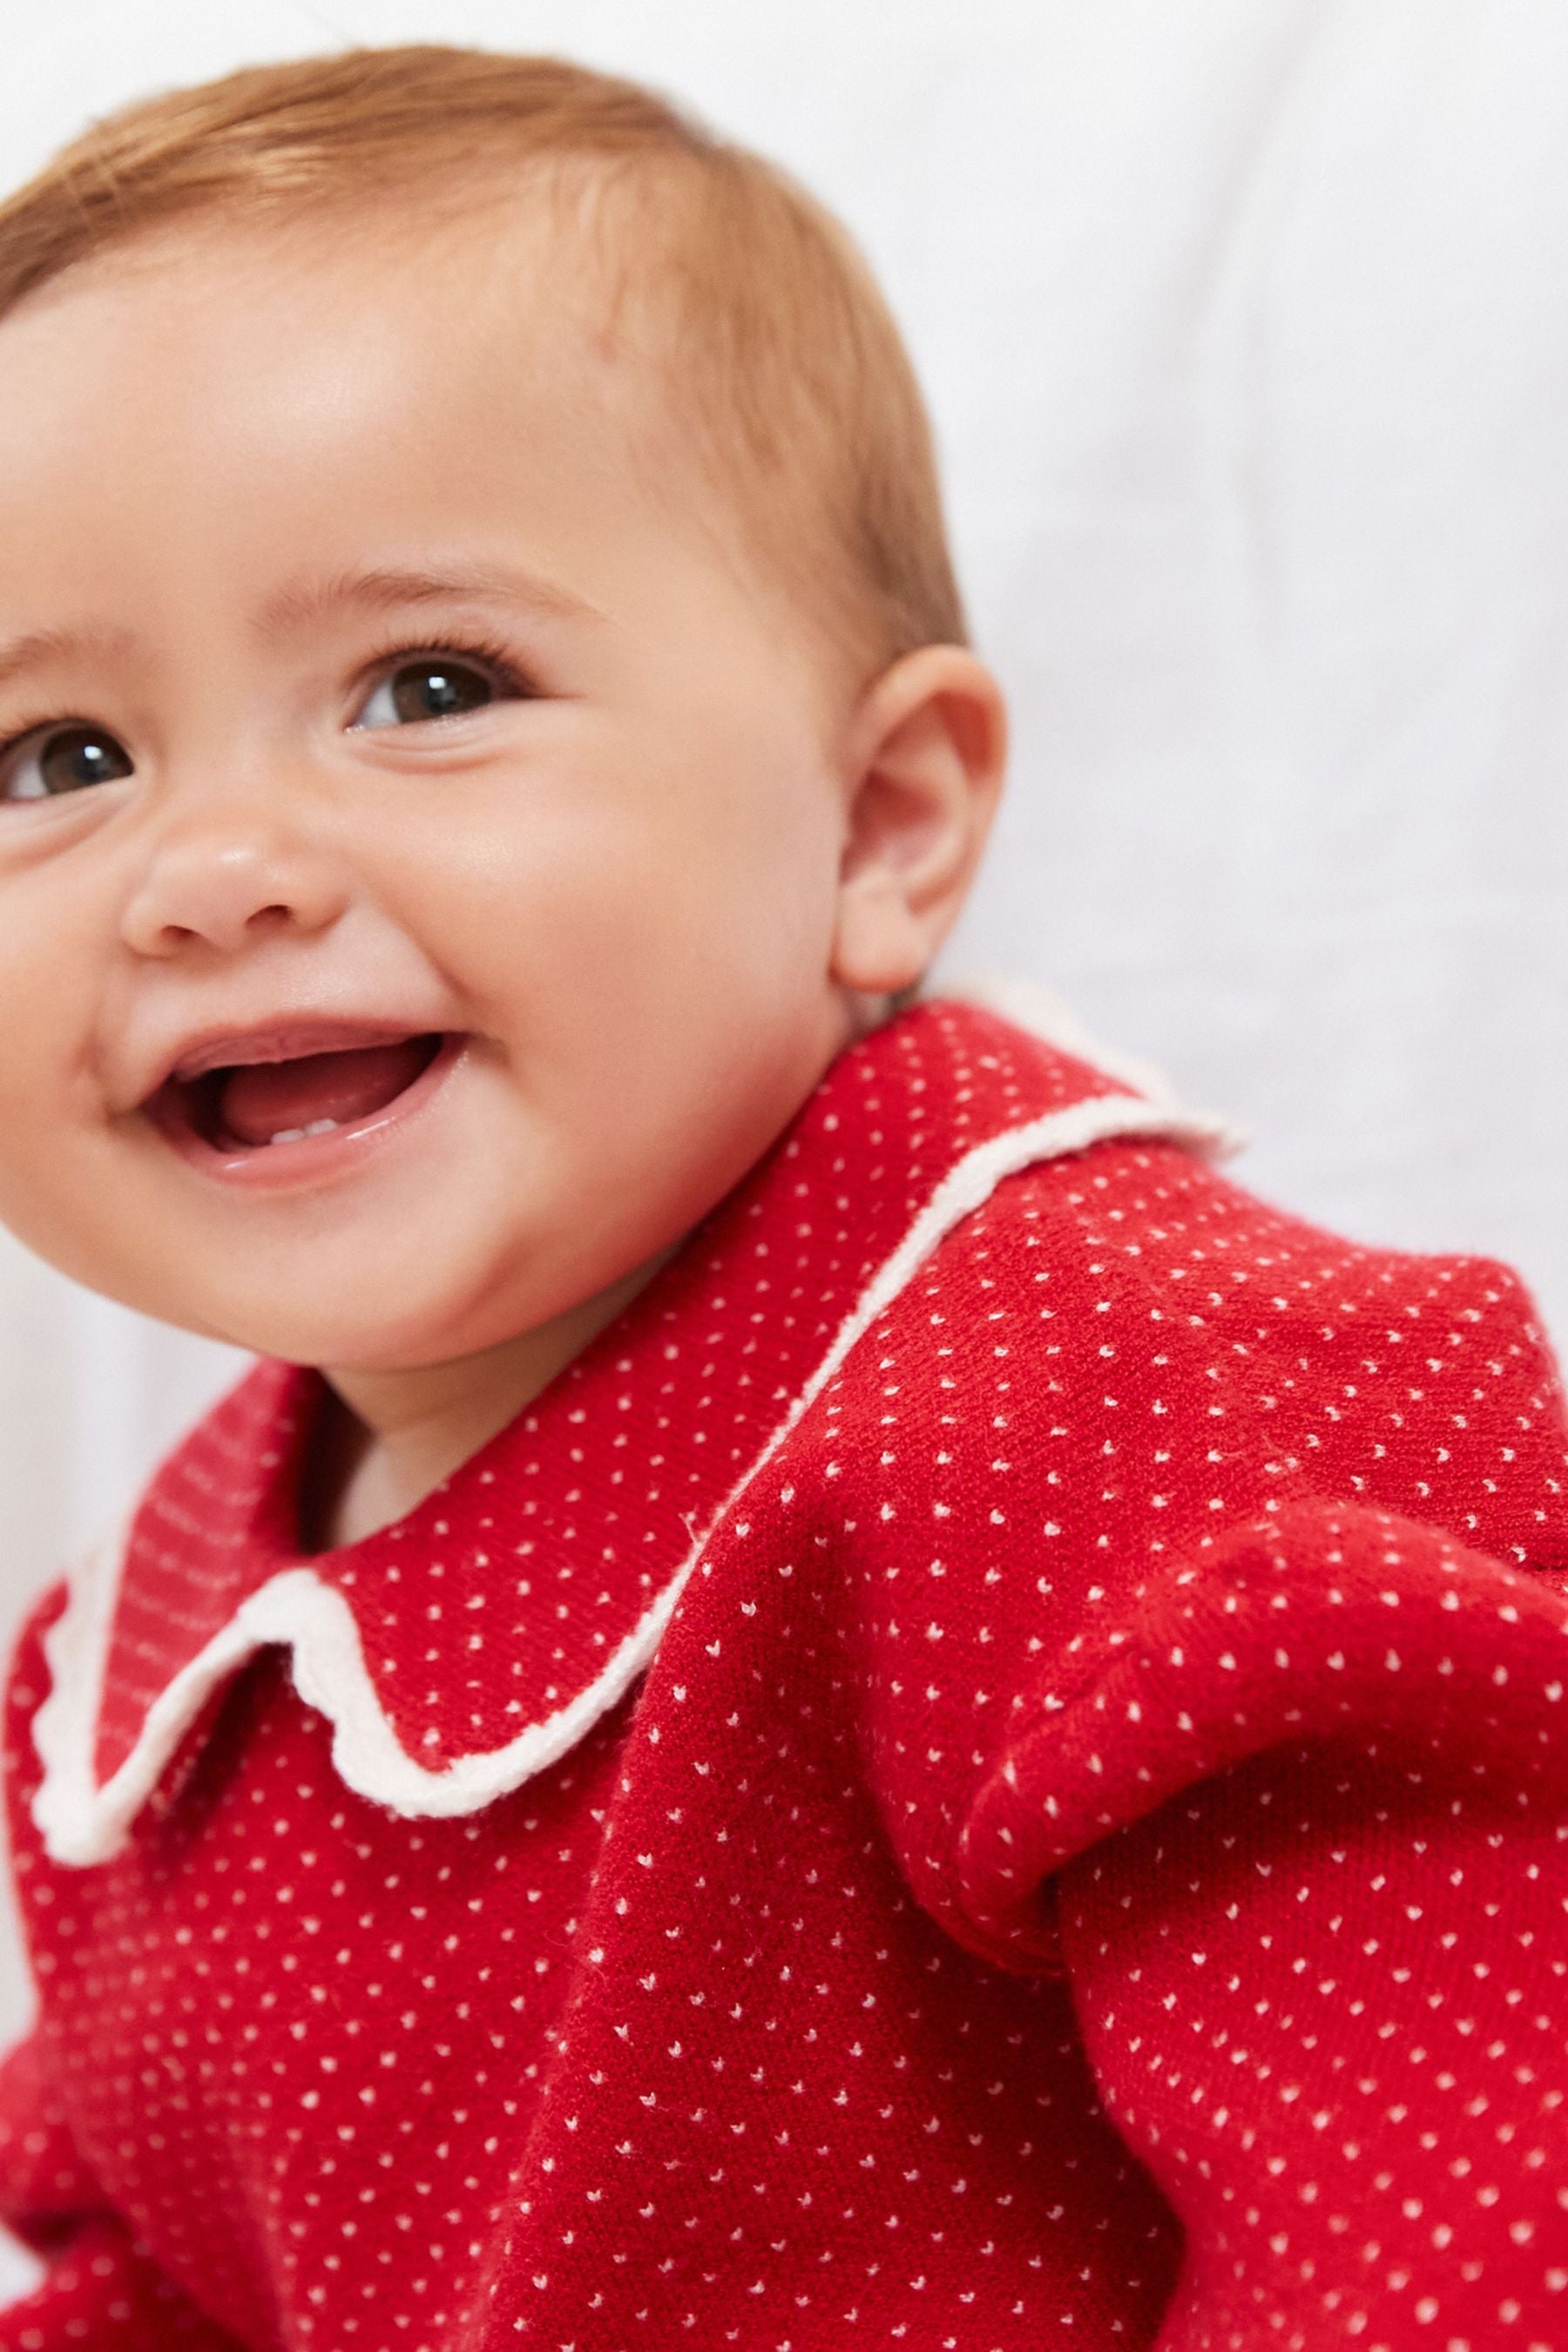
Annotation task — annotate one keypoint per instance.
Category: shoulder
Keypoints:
(1144, 1232)
(1124, 1347)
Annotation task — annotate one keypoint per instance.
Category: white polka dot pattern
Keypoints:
(1098, 1799)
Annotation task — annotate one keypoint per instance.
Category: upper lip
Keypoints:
(287, 1038)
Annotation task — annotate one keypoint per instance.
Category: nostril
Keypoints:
(269, 918)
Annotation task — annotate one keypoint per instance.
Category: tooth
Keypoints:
(298, 1134)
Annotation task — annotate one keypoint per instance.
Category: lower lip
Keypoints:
(316, 1159)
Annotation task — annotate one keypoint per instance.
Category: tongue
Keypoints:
(258, 1101)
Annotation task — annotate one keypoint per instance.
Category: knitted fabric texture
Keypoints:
(984, 1770)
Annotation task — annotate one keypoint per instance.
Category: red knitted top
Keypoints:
(985, 1771)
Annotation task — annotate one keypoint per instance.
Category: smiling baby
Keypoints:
(822, 1692)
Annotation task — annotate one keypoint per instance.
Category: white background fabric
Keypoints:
(1245, 329)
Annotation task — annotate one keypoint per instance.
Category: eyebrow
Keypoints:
(40, 647)
(302, 601)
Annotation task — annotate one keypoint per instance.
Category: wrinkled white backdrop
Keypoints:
(1244, 324)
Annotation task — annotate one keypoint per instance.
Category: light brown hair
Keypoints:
(783, 361)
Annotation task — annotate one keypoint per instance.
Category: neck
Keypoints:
(395, 1435)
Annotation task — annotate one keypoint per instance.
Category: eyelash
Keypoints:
(481, 651)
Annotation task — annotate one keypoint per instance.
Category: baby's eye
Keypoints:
(49, 761)
(430, 686)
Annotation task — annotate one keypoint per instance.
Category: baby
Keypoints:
(823, 1692)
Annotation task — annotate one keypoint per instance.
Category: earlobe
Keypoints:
(926, 755)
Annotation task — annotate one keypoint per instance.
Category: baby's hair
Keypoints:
(787, 374)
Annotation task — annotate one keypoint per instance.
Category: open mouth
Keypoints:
(280, 1098)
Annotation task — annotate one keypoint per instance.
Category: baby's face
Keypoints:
(419, 845)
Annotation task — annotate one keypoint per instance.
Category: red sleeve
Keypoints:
(1222, 1665)
(100, 2289)
(1304, 1866)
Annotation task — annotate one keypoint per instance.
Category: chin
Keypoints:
(368, 1334)
(361, 1329)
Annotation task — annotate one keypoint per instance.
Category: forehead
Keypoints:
(493, 303)
(476, 357)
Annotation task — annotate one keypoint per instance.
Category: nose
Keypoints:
(224, 882)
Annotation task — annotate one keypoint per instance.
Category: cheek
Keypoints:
(62, 1185)
(649, 966)
(47, 976)
(627, 892)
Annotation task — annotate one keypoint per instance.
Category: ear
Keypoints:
(926, 751)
